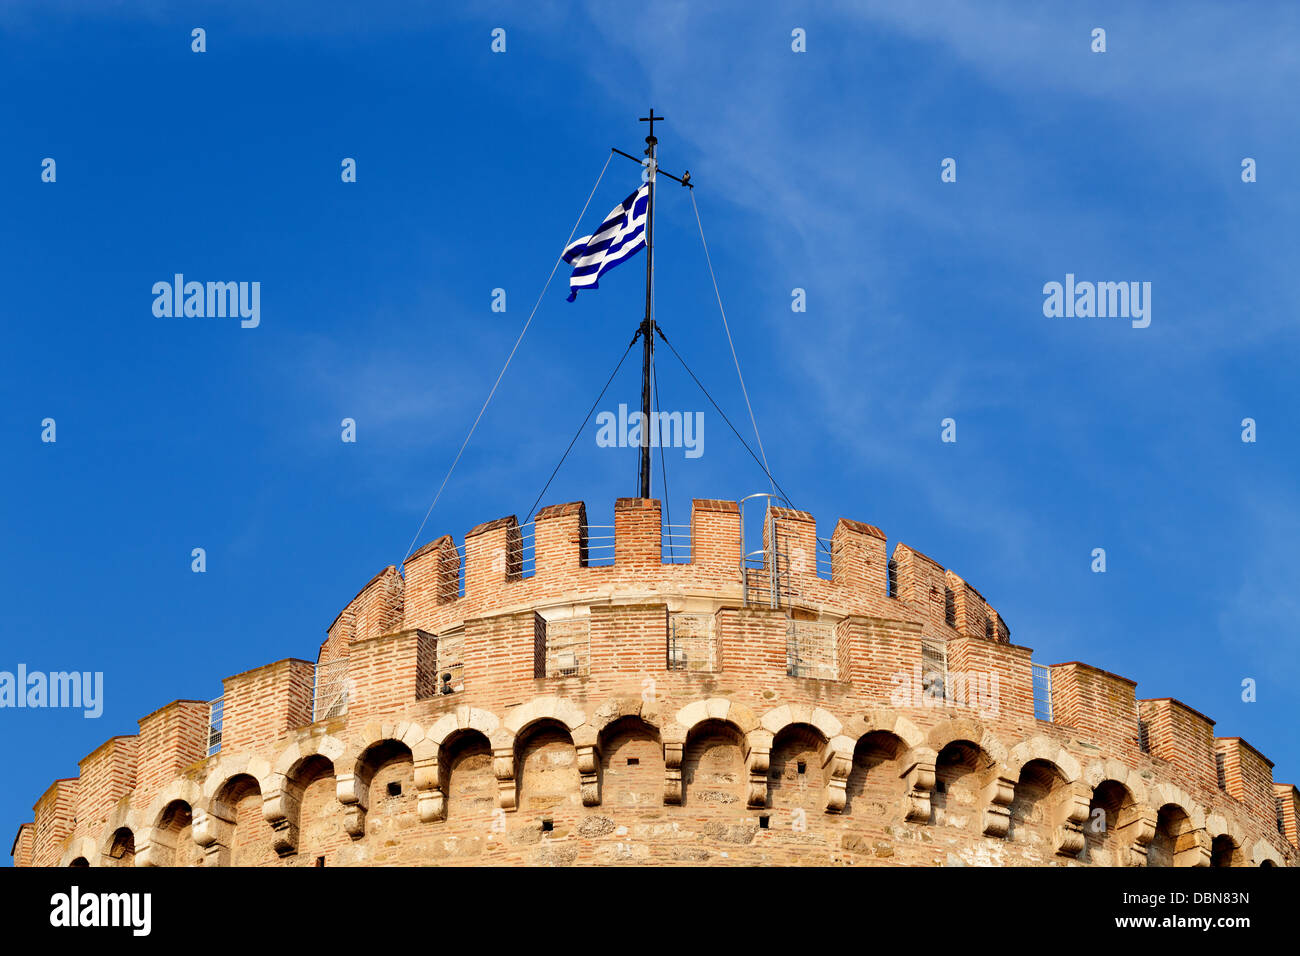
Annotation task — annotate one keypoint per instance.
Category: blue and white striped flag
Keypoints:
(620, 236)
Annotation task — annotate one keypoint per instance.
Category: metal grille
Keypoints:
(450, 663)
(891, 579)
(1281, 815)
(1219, 769)
(216, 710)
(1042, 692)
(600, 547)
(810, 650)
(1144, 736)
(692, 643)
(675, 544)
(567, 648)
(934, 667)
(329, 698)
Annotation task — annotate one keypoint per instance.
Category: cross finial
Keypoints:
(651, 120)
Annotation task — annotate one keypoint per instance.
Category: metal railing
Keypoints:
(811, 651)
(329, 696)
(675, 544)
(825, 566)
(692, 643)
(216, 713)
(764, 571)
(1042, 692)
(600, 547)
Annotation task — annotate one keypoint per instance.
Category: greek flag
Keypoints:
(620, 236)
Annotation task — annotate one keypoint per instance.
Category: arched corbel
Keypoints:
(1072, 813)
(757, 762)
(354, 796)
(919, 774)
(586, 742)
(837, 763)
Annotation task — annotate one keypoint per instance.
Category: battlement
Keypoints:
(676, 636)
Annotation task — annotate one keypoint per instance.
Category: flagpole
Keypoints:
(647, 324)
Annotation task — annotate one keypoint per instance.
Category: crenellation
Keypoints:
(1287, 796)
(638, 529)
(265, 702)
(921, 585)
(55, 818)
(859, 566)
(107, 774)
(171, 738)
(1248, 777)
(1097, 703)
(645, 705)
(1182, 736)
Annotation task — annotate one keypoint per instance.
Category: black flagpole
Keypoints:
(648, 325)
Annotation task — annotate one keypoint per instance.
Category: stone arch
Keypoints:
(797, 776)
(384, 776)
(119, 847)
(1176, 841)
(714, 774)
(1111, 769)
(354, 770)
(967, 779)
(324, 745)
(1042, 801)
(1108, 832)
(311, 820)
(970, 730)
(82, 849)
(1045, 750)
(300, 774)
(788, 715)
(466, 779)
(875, 788)
(1262, 854)
(1227, 841)
(1225, 851)
(559, 709)
(717, 708)
(631, 762)
(547, 779)
(233, 831)
(887, 721)
(168, 837)
(617, 708)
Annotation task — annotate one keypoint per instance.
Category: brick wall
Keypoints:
(1182, 736)
(263, 703)
(171, 738)
(107, 775)
(1097, 703)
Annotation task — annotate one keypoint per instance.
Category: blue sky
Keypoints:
(817, 170)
